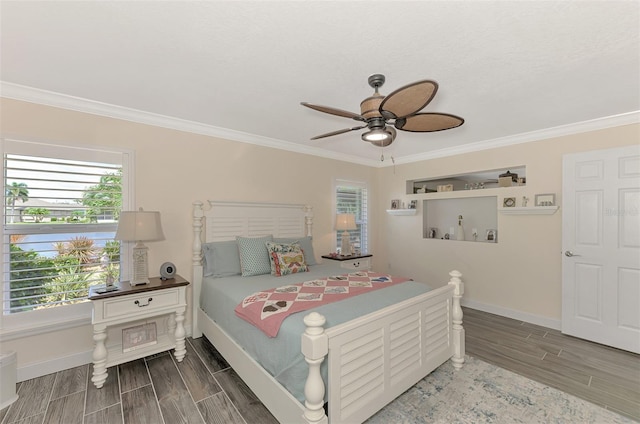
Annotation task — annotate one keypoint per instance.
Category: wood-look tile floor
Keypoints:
(154, 390)
(599, 374)
(204, 389)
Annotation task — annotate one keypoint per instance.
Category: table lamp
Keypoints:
(345, 222)
(139, 226)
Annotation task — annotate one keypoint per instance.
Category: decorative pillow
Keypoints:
(286, 258)
(306, 243)
(254, 257)
(221, 259)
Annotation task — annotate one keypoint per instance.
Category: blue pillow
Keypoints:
(306, 244)
(254, 256)
(221, 259)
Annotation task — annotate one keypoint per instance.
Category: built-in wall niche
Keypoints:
(469, 181)
(440, 218)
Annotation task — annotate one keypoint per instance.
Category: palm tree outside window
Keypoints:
(14, 192)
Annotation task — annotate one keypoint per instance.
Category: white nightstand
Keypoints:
(129, 304)
(353, 262)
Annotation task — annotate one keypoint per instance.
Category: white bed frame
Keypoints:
(371, 360)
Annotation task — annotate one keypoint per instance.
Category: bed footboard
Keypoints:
(374, 359)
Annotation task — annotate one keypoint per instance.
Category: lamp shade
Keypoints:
(346, 221)
(139, 226)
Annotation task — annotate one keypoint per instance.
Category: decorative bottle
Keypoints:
(460, 232)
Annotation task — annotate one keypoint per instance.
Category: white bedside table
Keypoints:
(129, 304)
(352, 262)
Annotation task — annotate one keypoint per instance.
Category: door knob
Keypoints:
(569, 254)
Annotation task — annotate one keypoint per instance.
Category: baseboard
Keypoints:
(551, 323)
(39, 369)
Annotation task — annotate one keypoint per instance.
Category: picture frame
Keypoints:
(509, 202)
(492, 236)
(547, 199)
(139, 336)
(413, 204)
(395, 204)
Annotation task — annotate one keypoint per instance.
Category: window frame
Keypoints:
(64, 316)
(338, 182)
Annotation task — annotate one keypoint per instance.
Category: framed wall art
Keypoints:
(548, 199)
(139, 336)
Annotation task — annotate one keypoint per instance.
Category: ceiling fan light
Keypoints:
(375, 135)
(380, 137)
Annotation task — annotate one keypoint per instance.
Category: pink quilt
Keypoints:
(267, 309)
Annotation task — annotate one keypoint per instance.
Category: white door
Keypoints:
(601, 247)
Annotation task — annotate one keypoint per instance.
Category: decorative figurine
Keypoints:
(525, 199)
(460, 233)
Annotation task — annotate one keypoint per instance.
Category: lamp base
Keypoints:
(345, 248)
(140, 265)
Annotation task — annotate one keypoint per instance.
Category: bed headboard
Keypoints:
(220, 221)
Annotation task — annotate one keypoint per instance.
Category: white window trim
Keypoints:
(334, 205)
(45, 320)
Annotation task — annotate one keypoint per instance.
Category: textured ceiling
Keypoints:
(241, 68)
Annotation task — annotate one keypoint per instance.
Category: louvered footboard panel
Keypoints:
(405, 347)
(362, 369)
(386, 353)
(437, 329)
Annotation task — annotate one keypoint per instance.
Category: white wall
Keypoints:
(520, 276)
(173, 169)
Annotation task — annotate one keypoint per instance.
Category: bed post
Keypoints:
(196, 260)
(458, 330)
(308, 219)
(315, 346)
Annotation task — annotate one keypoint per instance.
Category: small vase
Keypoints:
(460, 232)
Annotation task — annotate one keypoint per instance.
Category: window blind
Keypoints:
(352, 198)
(61, 212)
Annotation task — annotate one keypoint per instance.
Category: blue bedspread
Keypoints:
(281, 355)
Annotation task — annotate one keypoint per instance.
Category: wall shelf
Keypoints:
(533, 210)
(464, 182)
(402, 211)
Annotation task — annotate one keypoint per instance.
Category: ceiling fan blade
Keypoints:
(338, 132)
(333, 111)
(408, 100)
(428, 122)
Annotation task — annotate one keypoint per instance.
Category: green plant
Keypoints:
(70, 284)
(37, 213)
(28, 273)
(105, 198)
(13, 193)
(80, 247)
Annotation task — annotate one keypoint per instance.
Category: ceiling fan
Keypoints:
(382, 115)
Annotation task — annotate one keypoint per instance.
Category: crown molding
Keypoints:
(78, 104)
(63, 101)
(539, 135)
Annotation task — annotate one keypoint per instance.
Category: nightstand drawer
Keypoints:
(144, 302)
(360, 263)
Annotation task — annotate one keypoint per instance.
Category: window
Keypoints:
(351, 197)
(61, 213)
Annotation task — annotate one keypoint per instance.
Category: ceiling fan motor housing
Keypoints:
(370, 108)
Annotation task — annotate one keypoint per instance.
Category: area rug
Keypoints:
(483, 393)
